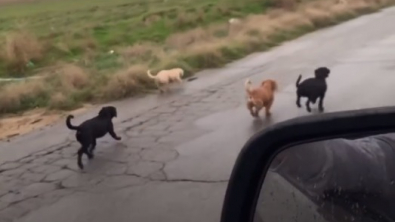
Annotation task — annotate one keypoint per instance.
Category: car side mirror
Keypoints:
(336, 167)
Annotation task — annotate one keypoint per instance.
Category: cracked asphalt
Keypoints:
(177, 150)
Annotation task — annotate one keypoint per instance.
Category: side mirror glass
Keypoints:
(335, 180)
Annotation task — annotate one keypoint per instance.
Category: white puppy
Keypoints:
(165, 77)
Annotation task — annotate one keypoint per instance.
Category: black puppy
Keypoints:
(313, 88)
(91, 129)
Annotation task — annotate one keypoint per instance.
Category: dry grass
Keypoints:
(317, 16)
(139, 50)
(58, 100)
(126, 82)
(287, 4)
(199, 48)
(235, 27)
(151, 19)
(204, 54)
(185, 19)
(85, 44)
(73, 77)
(13, 95)
(182, 40)
(20, 48)
(54, 90)
(61, 46)
(257, 29)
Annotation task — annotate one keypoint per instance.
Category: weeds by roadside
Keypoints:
(96, 71)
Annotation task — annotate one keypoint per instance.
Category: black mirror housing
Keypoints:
(247, 176)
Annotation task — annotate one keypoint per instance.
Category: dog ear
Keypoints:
(108, 112)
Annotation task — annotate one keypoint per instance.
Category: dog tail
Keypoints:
(298, 81)
(247, 86)
(68, 123)
(150, 75)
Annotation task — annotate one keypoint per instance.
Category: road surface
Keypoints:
(178, 150)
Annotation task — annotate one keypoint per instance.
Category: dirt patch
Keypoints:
(12, 126)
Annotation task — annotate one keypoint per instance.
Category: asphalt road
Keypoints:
(177, 151)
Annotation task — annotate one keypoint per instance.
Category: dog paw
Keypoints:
(118, 138)
(309, 110)
(298, 105)
(91, 156)
(80, 166)
(321, 110)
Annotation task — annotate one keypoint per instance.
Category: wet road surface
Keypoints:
(178, 150)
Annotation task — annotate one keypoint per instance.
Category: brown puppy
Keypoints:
(165, 77)
(259, 97)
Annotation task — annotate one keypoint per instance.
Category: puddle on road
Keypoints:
(12, 126)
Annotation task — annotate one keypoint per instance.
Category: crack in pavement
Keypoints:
(147, 146)
(151, 136)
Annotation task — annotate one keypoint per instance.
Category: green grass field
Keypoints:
(75, 27)
(69, 42)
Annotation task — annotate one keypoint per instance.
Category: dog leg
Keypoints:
(112, 133)
(250, 107)
(254, 112)
(93, 146)
(298, 100)
(259, 105)
(79, 161)
(308, 105)
(257, 110)
(267, 108)
(163, 89)
(320, 103)
(158, 86)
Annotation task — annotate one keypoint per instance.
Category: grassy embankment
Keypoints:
(68, 42)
